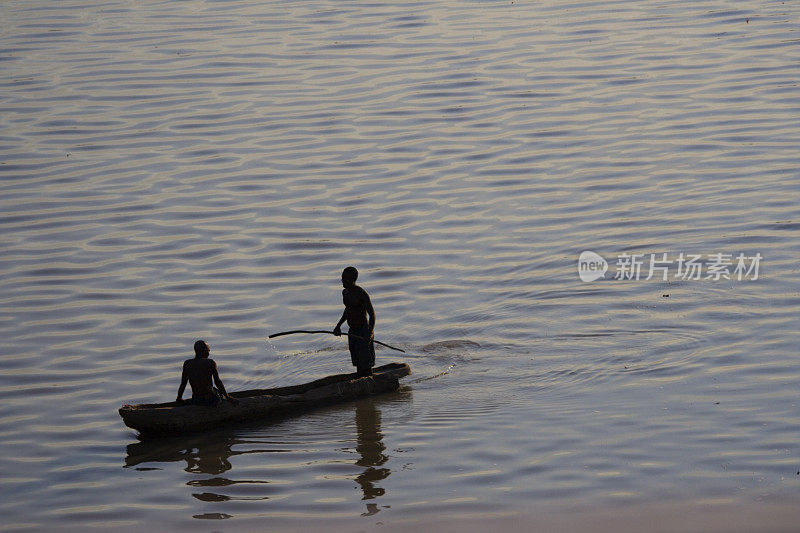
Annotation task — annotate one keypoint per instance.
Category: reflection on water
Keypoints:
(370, 447)
(203, 454)
(211, 454)
(207, 454)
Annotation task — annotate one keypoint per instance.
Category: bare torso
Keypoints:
(200, 372)
(356, 301)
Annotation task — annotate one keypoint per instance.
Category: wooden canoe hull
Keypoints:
(172, 418)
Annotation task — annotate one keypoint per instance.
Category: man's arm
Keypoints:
(219, 384)
(370, 314)
(338, 329)
(184, 380)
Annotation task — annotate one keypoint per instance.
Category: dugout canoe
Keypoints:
(172, 418)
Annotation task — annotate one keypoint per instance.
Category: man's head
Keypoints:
(349, 276)
(201, 349)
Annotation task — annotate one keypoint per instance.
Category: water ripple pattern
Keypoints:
(204, 169)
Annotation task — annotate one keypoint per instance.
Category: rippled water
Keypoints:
(181, 170)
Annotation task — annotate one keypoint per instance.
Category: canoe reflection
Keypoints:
(211, 454)
(203, 454)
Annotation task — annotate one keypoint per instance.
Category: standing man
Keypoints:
(357, 306)
(199, 372)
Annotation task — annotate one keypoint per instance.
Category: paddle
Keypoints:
(331, 333)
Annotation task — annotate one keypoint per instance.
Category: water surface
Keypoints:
(181, 170)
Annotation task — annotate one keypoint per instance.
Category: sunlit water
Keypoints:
(181, 170)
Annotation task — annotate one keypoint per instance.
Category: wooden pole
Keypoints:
(281, 334)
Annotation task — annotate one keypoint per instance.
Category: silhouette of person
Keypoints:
(199, 372)
(357, 310)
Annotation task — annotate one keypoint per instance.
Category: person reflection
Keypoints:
(210, 457)
(370, 446)
(203, 455)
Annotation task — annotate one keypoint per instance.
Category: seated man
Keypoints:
(199, 372)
